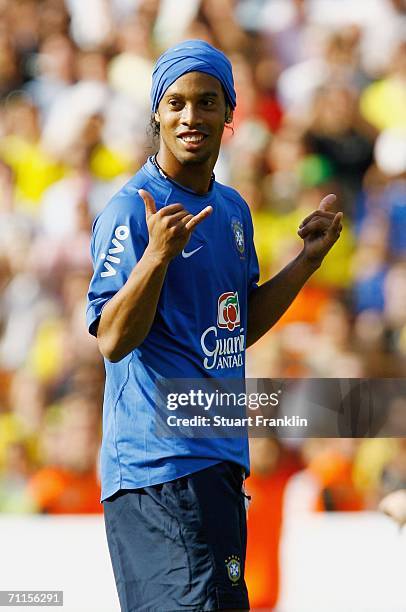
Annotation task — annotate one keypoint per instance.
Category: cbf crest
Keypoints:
(238, 233)
(233, 565)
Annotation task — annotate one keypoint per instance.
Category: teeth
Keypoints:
(193, 138)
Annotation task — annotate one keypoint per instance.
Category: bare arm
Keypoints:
(267, 304)
(127, 318)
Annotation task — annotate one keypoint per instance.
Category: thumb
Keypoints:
(150, 208)
(327, 203)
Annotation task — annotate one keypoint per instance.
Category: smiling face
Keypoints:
(191, 116)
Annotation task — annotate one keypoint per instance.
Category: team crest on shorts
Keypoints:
(238, 232)
(233, 566)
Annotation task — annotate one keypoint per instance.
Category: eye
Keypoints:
(175, 104)
(208, 102)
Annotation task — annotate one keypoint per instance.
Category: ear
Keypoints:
(156, 116)
(229, 115)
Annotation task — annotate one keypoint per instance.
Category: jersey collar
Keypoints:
(155, 169)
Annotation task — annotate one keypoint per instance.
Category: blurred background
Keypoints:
(321, 89)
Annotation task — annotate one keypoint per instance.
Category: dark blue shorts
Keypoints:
(180, 545)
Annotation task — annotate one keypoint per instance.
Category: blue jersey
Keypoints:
(199, 329)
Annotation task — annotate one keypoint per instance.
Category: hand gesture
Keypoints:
(170, 227)
(321, 229)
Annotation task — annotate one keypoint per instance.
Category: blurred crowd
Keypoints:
(321, 108)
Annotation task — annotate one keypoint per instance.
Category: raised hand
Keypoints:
(170, 227)
(321, 229)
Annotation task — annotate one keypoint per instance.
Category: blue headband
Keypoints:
(191, 56)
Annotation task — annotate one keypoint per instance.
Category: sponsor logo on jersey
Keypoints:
(187, 254)
(226, 352)
(238, 232)
(228, 311)
(111, 258)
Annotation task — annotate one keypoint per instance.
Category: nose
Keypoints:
(190, 115)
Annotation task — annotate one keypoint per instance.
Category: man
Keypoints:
(176, 273)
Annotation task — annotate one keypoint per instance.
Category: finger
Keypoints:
(317, 213)
(171, 209)
(314, 226)
(179, 216)
(150, 207)
(206, 212)
(336, 225)
(181, 226)
(327, 203)
(186, 219)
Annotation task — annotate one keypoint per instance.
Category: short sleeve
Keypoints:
(253, 266)
(119, 239)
